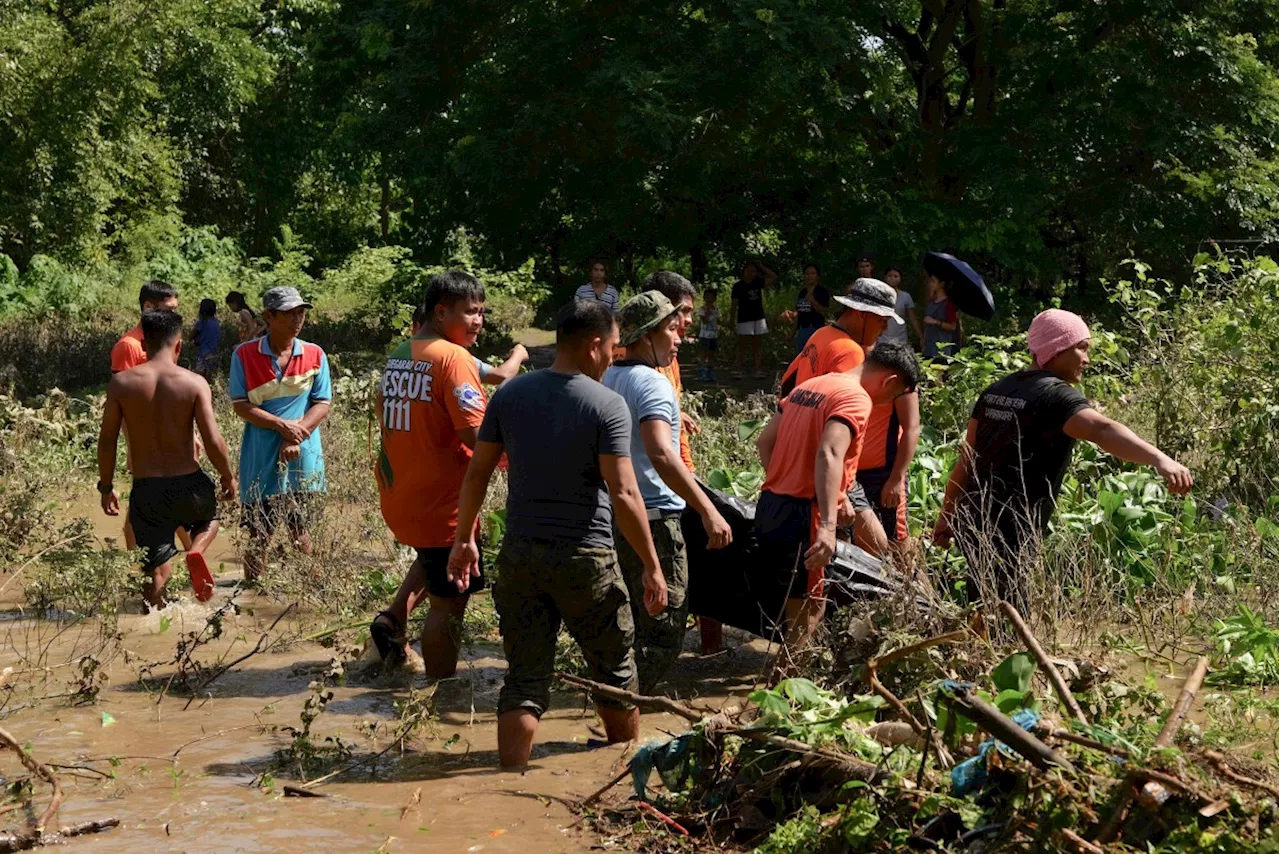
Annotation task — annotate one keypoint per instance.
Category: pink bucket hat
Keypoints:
(1052, 332)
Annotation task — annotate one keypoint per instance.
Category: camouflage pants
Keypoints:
(659, 639)
(541, 583)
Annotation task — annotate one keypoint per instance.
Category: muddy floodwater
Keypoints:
(192, 780)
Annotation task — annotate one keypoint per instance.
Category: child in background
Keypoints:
(207, 335)
(709, 315)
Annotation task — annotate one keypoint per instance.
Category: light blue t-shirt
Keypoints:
(256, 377)
(648, 395)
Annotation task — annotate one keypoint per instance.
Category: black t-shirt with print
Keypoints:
(750, 299)
(809, 315)
(1021, 451)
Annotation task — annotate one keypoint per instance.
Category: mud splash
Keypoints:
(193, 779)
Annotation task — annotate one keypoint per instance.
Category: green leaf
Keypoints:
(719, 479)
(1015, 673)
(1009, 701)
(747, 429)
(165, 622)
(107, 719)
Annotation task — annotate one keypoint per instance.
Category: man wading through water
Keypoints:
(651, 327)
(1005, 483)
(430, 406)
(280, 388)
(568, 441)
(158, 402)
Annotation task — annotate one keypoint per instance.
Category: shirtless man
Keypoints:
(158, 402)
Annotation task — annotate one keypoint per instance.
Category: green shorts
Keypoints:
(542, 583)
(660, 639)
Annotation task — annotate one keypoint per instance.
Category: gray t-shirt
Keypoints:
(554, 427)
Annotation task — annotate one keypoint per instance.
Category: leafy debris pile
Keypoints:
(941, 744)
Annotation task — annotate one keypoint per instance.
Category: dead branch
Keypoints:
(23, 842)
(1080, 844)
(296, 792)
(911, 649)
(257, 648)
(599, 793)
(1050, 672)
(1002, 727)
(1167, 734)
(851, 765)
(1220, 763)
(40, 771)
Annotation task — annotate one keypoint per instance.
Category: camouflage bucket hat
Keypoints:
(642, 314)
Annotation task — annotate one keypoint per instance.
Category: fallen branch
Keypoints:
(1066, 735)
(1003, 728)
(257, 648)
(40, 771)
(665, 703)
(1081, 844)
(663, 817)
(1168, 733)
(857, 768)
(911, 649)
(23, 842)
(296, 792)
(930, 735)
(1220, 763)
(599, 793)
(1050, 672)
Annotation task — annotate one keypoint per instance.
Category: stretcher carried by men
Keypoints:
(738, 587)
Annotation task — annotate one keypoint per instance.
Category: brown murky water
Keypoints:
(205, 798)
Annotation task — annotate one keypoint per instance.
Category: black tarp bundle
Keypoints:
(736, 586)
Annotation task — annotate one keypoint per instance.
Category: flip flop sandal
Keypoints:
(201, 578)
(389, 639)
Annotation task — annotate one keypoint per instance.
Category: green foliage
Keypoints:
(1248, 650)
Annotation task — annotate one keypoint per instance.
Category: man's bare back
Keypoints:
(159, 402)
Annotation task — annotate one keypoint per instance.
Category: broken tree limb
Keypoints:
(24, 842)
(1080, 844)
(904, 651)
(1083, 741)
(599, 793)
(1005, 730)
(851, 765)
(667, 704)
(1168, 733)
(930, 735)
(1220, 763)
(41, 771)
(1186, 697)
(1051, 673)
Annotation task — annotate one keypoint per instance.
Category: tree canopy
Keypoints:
(1048, 141)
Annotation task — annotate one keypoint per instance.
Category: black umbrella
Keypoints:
(962, 283)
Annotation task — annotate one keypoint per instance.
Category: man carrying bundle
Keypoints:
(841, 346)
(809, 451)
(651, 328)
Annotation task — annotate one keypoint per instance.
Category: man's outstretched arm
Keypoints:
(1119, 441)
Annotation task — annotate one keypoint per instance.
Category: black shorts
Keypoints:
(159, 506)
(708, 344)
(435, 563)
(782, 527)
(892, 519)
(297, 511)
(858, 497)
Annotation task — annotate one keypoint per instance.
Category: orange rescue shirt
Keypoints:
(805, 413)
(672, 373)
(430, 390)
(128, 352)
(830, 350)
(884, 431)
